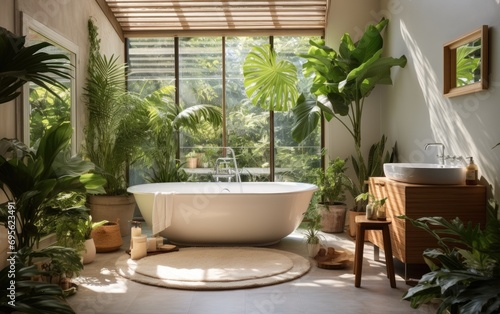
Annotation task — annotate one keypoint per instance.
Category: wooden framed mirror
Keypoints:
(466, 63)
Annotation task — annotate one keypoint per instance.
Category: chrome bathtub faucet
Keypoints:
(440, 155)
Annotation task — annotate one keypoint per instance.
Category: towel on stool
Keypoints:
(163, 207)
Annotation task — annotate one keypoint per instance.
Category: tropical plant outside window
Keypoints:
(468, 62)
(210, 72)
(45, 108)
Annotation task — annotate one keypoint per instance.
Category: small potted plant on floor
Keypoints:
(332, 184)
(313, 225)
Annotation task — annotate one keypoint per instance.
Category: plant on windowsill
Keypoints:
(332, 184)
(465, 270)
(192, 159)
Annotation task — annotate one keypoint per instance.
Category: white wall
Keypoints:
(414, 111)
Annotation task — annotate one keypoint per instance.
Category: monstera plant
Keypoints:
(20, 64)
(342, 80)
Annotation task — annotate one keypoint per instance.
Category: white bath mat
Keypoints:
(215, 268)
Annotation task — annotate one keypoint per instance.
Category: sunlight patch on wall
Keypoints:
(446, 118)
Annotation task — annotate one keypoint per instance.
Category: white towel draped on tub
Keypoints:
(163, 206)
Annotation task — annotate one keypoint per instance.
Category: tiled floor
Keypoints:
(320, 291)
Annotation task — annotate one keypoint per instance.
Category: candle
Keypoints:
(136, 228)
(151, 244)
(139, 249)
(159, 241)
(136, 231)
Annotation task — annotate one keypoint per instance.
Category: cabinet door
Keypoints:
(415, 201)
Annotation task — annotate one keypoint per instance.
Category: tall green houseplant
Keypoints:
(343, 80)
(113, 132)
(115, 127)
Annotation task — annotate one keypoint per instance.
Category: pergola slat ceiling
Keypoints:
(139, 18)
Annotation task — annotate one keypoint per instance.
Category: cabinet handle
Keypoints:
(380, 183)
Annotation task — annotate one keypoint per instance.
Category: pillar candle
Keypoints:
(139, 249)
(151, 244)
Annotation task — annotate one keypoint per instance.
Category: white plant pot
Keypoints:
(313, 249)
(89, 252)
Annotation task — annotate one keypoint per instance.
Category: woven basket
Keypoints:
(107, 238)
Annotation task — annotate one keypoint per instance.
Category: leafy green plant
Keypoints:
(333, 182)
(33, 297)
(342, 81)
(165, 119)
(270, 83)
(465, 270)
(116, 119)
(47, 110)
(20, 64)
(312, 227)
(33, 179)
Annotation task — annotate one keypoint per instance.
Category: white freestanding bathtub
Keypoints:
(228, 213)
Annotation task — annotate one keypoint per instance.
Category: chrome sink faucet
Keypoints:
(440, 155)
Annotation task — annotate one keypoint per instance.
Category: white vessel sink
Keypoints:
(421, 173)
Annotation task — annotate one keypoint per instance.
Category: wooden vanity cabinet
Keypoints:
(414, 200)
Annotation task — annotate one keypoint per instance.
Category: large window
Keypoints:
(209, 70)
(42, 109)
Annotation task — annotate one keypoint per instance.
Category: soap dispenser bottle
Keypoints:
(471, 173)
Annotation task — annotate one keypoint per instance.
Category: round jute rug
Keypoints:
(214, 268)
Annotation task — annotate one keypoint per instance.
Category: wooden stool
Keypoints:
(365, 224)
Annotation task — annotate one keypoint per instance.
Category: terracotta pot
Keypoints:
(113, 208)
(192, 162)
(333, 217)
(89, 252)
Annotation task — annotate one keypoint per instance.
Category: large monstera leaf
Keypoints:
(269, 83)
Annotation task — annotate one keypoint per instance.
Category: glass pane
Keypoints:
(200, 83)
(151, 67)
(294, 161)
(47, 110)
(151, 64)
(247, 125)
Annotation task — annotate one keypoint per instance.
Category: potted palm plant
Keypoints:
(332, 184)
(113, 133)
